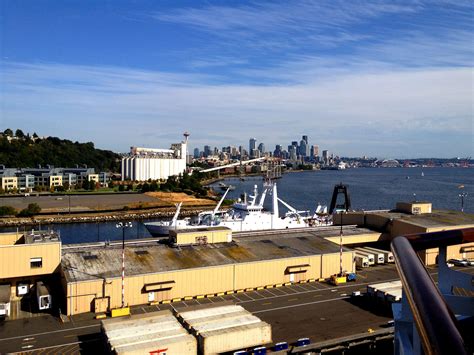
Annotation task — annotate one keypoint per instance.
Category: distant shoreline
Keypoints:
(98, 217)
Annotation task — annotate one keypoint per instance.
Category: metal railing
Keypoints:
(436, 324)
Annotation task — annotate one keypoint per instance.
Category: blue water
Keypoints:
(372, 188)
(369, 189)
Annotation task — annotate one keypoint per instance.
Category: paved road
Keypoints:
(78, 202)
(315, 310)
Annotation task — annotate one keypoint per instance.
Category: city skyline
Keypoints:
(375, 78)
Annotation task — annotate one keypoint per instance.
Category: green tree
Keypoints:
(8, 132)
(7, 211)
(31, 210)
(154, 186)
(19, 133)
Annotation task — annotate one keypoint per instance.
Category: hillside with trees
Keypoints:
(19, 150)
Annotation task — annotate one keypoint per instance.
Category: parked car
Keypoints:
(458, 262)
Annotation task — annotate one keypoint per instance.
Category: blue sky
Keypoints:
(376, 78)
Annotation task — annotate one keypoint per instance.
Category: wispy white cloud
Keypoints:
(283, 26)
(122, 107)
(295, 16)
(359, 77)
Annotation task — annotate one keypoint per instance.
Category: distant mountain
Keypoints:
(24, 151)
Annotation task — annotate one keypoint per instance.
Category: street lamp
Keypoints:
(123, 225)
(462, 195)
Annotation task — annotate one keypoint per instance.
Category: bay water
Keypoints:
(369, 188)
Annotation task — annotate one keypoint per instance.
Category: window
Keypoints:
(36, 263)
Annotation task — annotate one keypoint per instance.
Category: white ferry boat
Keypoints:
(243, 216)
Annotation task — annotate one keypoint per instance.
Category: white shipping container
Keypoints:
(370, 257)
(226, 323)
(230, 339)
(139, 334)
(361, 261)
(183, 345)
(387, 253)
(378, 257)
(394, 296)
(207, 312)
(372, 289)
(199, 322)
(382, 292)
(136, 339)
(143, 329)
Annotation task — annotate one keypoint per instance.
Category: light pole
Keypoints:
(123, 225)
(462, 195)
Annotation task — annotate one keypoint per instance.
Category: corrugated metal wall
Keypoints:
(193, 282)
(15, 259)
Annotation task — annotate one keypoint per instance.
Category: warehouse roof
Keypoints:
(101, 262)
(438, 218)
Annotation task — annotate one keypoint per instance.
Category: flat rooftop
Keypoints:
(91, 263)
(35, 237)
(438, 218)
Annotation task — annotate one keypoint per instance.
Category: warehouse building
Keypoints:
(157, 273)
(410, 218)
(24, 261)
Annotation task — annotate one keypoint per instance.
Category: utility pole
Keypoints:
(123, 225)
(340, 247)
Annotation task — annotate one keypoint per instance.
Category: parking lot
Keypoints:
(315, 310)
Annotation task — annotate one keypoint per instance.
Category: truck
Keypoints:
(387, 253)
(373, 288)
(361, 261)
(378, 257)
(370, 257)
(338, 279)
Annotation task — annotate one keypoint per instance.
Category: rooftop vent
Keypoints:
(90, 257)
(141, 252)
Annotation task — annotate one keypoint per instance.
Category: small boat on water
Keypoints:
(225, 186)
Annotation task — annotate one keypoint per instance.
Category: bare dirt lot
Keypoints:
(101, 202)
(176, 197)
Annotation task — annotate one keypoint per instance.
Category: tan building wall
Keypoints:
(357, 239)
(193, 282)
(414, 207)
(376, 221)
(400, 227)
(56, 180)
(264, 273)
(460, 251)
(9, 182)
(330, 263)
(349, 218)
(203, 236)
(15, 260)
